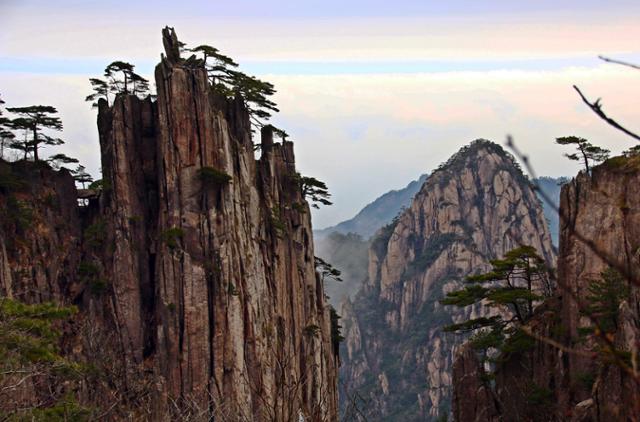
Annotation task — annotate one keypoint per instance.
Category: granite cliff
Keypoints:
(572, 372)
(193, 268)
(345, 245)
(397, 362)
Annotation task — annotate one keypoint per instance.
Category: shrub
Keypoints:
(95, 234)
(172, 236)
(311, 330)
(18, 213)
(539, 395)
(89, 273)
(213, 176)
(279, 226)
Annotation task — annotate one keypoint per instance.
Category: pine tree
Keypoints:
(81, 176)
(326, 270)
(315, 190)
(230, 82)
(514, 286)
(32, 121)
(29, 351)
(120, 78)
(58, 160)
(586, 151)
(604, 296)
(100, 90)
(6, 135)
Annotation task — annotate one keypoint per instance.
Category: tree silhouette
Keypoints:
(230, 82)
(100, 90)
(120, 78)
(32, 120)
(58, 160)
(326, 270)
(6, 136)
(586, 151)
(315, 190)
(81, 176)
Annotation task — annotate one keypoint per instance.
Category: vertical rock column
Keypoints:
(127, 220)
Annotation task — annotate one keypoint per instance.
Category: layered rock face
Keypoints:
(563, 376)
(474, 208)
(203, 299)
(40, 233)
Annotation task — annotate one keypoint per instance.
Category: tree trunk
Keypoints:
(35, 145)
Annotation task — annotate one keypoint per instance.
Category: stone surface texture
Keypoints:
(474, 208)
(203, 299)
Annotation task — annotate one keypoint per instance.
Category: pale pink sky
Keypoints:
(372, 99)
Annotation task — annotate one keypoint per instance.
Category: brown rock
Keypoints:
(475, 208)
(209, 303)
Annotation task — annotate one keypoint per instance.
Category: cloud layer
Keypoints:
(372, 99)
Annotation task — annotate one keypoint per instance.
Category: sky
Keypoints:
(373, 93)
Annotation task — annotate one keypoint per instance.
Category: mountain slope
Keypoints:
(579, 380)
(377, 213)
(474, 208)
(347, 251)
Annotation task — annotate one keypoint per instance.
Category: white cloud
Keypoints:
(366, 134)
(363, 134)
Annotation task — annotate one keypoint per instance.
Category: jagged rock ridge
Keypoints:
(474, 208)
(203, 298)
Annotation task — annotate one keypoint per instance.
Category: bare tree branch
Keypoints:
(607, 257)
(602, 254)
(608, 60)
(597, 109)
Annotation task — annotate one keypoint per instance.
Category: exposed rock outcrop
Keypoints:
(566, 376)
(474, 208)
(202, 299)
(40, 233)
(472, 399)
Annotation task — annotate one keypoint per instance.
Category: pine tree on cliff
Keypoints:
(120, 78)
(514, 286)
(81, 176)
(100, 90)
(32, 121)
(58, 160)
(315, 190)
(230, 82)
(6, 136)
(586, 151)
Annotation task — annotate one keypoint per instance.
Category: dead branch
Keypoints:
(615, 61)
(597, 109)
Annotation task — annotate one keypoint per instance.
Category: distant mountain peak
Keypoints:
(474, 208)
(377, 213)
